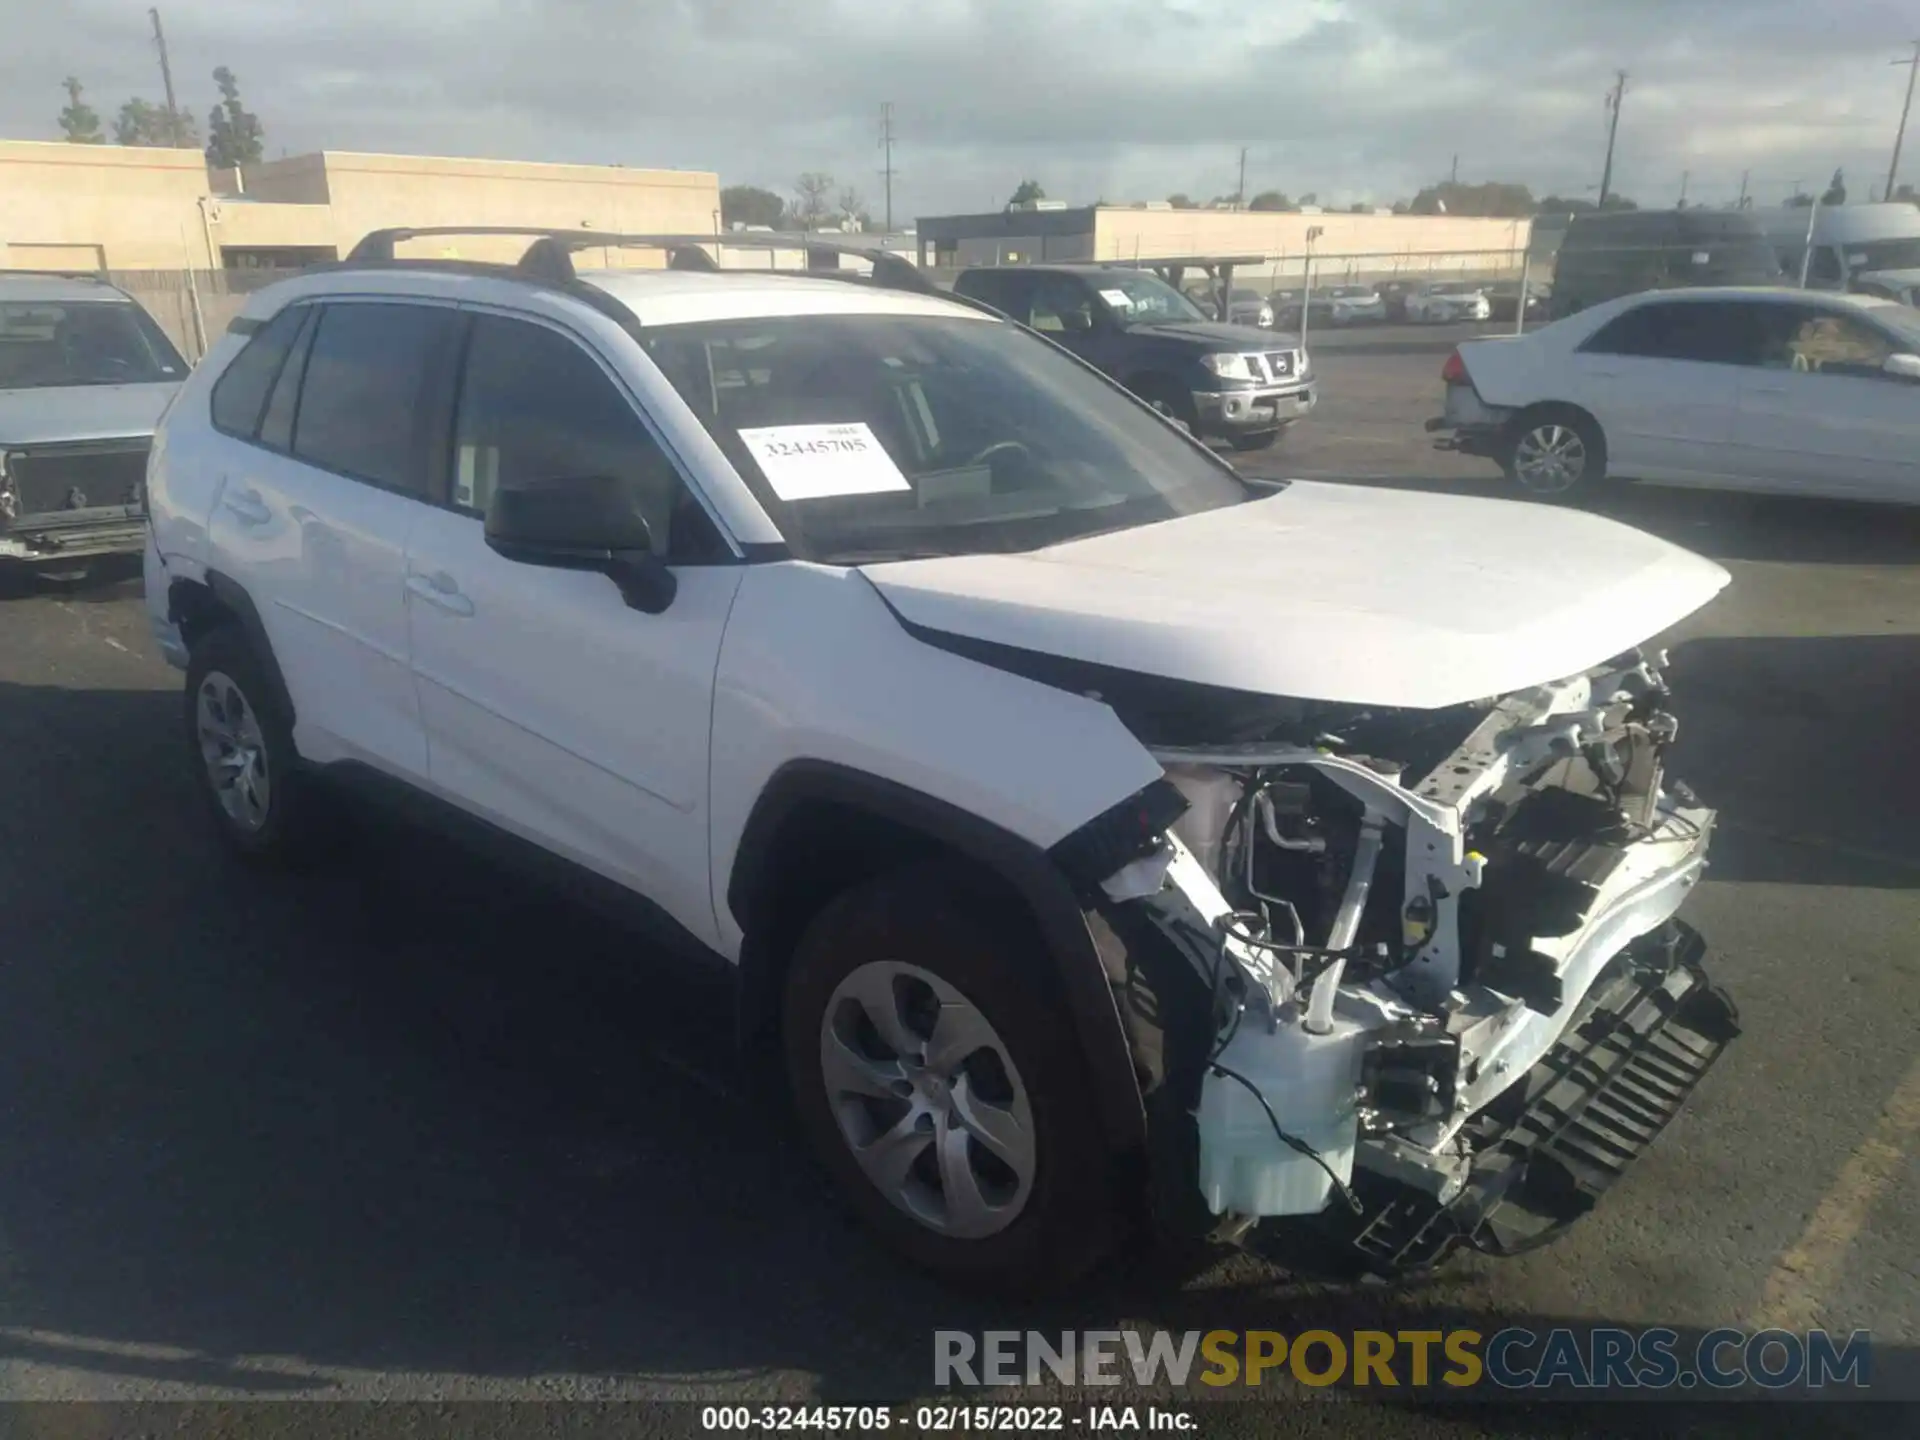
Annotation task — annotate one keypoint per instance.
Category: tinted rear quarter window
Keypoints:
(240, 394)
(361, 408)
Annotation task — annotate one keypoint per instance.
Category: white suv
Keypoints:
(1096, 838)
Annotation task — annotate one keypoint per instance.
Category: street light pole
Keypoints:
(1912, 62)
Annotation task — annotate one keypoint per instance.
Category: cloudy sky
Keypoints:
(1122, 99)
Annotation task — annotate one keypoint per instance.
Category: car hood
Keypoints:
(1216, 336)
(1326, 592)
(81, 412)
(1905, 279)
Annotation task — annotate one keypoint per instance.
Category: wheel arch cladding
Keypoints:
(198, 607)
(819, 827)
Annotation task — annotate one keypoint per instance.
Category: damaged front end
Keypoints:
(1437, 992)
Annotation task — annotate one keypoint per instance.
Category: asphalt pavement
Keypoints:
(411, 1127)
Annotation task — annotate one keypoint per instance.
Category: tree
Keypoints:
(1836, 190)
(1491, 198)
(1181, 202)
(1270, 200)
(140, 122)
(853, 209)
(1310, 198)
(1799, 200)
(1360, 207)
(1905, 192)
(234, 135)
(750, 205)
(812, 202)
(1025, 193)
(79, 122)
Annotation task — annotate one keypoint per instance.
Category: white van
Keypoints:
(1875, 248)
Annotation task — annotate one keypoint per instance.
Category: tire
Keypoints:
(263, 805)
(1533, 440)
(1047, 1213)
(1265, 440)
(1171, 401)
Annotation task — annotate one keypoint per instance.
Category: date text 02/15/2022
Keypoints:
(946, 1419)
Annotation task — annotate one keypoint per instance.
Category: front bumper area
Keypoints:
(1641, 1040)
(69, 535)
(1250, 412)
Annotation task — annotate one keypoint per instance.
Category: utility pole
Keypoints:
(166, 78)
(1614, 97)
(1240, 195)
(1741, 203)
(1453, 175)
(1912, 63)
(886, 143)
(1685, 175)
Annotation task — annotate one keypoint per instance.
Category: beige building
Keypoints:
(1369, 245)
(108, 207)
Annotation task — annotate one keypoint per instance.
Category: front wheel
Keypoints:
(1554, 452)
(929, 1073)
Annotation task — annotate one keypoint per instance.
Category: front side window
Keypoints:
(534, 406)
(50, 345)
(887, 435)
(1061, 306)
(1799, 337)
(360, 408)
(1134, 297)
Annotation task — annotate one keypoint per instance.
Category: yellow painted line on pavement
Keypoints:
(1809, 1272)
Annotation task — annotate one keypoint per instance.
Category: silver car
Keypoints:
(84, 376)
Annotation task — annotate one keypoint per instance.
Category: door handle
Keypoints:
(440, 589)
(248, 507)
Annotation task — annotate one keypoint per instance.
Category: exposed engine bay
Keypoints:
(1450, 1000)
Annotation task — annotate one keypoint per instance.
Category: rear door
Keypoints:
(1819, 415)
(313, 514)
(1663, 379)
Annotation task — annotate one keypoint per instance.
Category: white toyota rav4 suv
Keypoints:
(1095, 838)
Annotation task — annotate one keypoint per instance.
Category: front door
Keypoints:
(1820, 415)
(1663, 380)
(551, 708)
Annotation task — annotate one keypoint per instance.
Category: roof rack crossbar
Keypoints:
(549, 257)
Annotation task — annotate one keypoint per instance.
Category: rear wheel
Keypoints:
(241, 749)
(928, 1071)
(1554, 451)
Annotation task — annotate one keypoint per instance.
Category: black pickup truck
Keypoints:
(1231, 382)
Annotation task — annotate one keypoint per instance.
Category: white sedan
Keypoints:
(1742, 389)
(1449, 301)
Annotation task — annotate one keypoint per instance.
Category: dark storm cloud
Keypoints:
(1367, 98)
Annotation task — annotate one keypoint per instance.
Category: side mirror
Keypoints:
(582, 523)
(1902, 366)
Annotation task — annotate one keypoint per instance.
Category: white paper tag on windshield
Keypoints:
(811, 462)
(1116, 297)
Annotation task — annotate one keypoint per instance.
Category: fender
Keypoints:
(1029, 870)
(233, 597)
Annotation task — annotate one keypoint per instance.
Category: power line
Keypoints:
(1614, 97)
(1913, 68)
(886, 142)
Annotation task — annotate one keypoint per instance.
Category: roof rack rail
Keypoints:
(550, 256)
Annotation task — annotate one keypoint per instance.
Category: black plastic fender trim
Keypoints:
(234, 597)
(1024, 866)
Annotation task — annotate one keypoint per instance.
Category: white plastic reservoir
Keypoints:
(1309, 1080)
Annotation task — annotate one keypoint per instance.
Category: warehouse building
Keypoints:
(1369, 245)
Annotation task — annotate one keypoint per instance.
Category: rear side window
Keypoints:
(240, 394)
(1712, 332)
(361, 409)
(276, 426)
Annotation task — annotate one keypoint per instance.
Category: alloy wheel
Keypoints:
(234, 750)
(928, 1099)
(1550, 459)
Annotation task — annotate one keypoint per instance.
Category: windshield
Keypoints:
(887, 436)
(44, 345)
(1898, 254)
(1137, 298)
